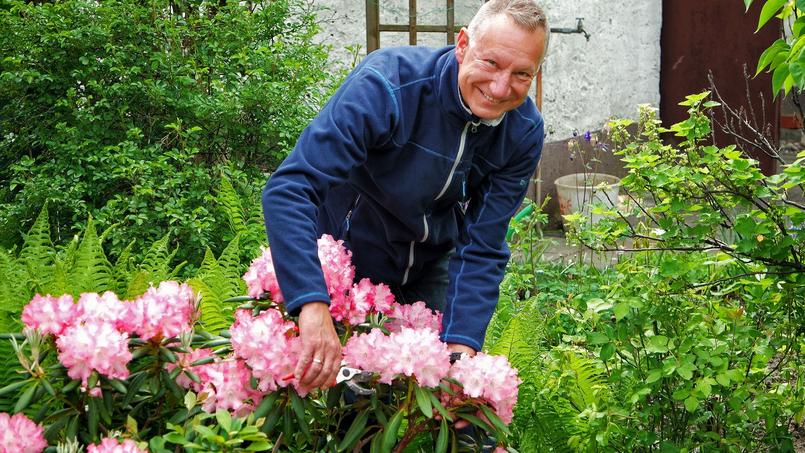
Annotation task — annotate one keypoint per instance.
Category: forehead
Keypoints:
(502, 38)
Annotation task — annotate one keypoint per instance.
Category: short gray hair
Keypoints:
(525, 13)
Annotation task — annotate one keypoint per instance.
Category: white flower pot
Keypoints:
(580, 191)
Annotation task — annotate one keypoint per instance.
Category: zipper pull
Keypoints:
(474, 128)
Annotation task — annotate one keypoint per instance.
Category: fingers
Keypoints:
(320, 359)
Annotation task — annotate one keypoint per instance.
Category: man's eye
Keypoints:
(523, 75)
(490, 62)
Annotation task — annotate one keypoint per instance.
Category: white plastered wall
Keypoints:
(584, 82)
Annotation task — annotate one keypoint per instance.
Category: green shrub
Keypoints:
(130, 111)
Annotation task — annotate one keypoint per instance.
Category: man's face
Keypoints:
(497, 66)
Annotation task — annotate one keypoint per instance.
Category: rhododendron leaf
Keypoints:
(287, 429)
(266, 405)
(92, 418)
(70, 386)
(438, 405)
(25, 399)
(271, 419)
(105, 407)
(167, 355)
(72, 428)
(16, 386)
(48, 387)
(496, 421)
(441, 441)
(118, 385)
(354, 432)
(298, 406)
(193, 376)
(377, 443)
(423, 400)
(390, 431)
(476, 421)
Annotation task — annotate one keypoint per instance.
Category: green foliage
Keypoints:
(784, 58)
(694, 340)
(214, 432)
(131, 111)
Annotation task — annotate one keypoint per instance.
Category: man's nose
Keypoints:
(501, 84)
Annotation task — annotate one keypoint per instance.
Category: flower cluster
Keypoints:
(268, 344)
(409, 352)
(93, 334)
(112, 445)
(414, 316)
(94, 346)
(227, 385)
(18, 434)
(349, 303)
(163, 312)
(490, 378)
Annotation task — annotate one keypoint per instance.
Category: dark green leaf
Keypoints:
(423, 400)
(354, 432)
(390, 431)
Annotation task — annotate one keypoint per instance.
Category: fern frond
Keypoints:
(122, 270)
(230, 202)
(153, 269)
(210, 283)
(38, 252)
(91, 271)
(15, 287)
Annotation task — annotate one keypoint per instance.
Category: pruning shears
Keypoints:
(352, 377)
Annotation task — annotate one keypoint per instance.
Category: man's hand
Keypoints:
(320, 360)
(456, 347)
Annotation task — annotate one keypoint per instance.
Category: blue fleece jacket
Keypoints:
(398, 167)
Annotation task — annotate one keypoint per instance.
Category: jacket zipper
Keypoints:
(349, 216)
(449, 180)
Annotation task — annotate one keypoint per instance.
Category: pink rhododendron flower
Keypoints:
(94, 346)
(339, 273)
(18, 434)
(414, 316)
(347, 303)
(227, 385)
(162, 312)
(490, 378)
(269, 345)
(415, 353)
(261, 277)
(49, 314)
(185, 361)
(111, 445)
(93, 307)
(365, 297)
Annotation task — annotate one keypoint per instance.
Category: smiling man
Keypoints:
(417, 162)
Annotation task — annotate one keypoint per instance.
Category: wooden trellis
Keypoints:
(374, 28)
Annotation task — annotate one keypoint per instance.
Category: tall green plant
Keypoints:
(129, 111)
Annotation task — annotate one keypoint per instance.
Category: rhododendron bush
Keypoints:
(141, 375)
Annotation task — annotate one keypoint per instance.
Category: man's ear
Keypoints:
(462, 43)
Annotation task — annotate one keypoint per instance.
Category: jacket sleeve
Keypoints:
(361, 115)
(479, 262)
